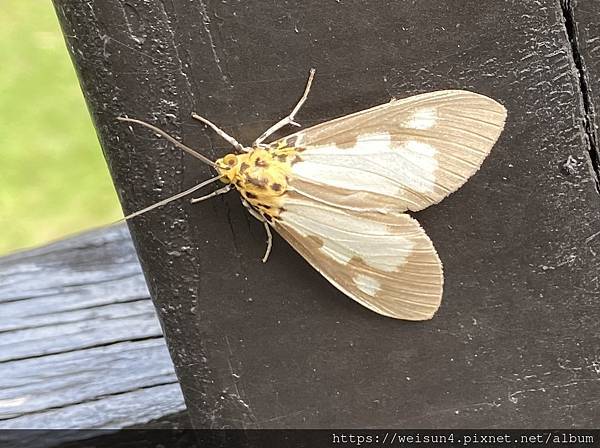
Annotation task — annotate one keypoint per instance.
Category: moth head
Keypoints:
(228, 167)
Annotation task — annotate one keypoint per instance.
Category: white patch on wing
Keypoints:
(346, 237)
(366, 284)
(373, 164)
(420, 165)
(422, 119)
(346, 168)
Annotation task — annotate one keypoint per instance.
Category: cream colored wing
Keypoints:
(403, 155)
(384, 262)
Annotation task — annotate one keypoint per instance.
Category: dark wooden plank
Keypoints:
(515, 343)
(111, 412)
(38, 308)
(103, 325)
(80, 344)
(93, 268)
(36, 313)
(66, 379)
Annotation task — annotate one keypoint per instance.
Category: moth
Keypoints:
(339, 192)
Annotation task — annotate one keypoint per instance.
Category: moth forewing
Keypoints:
(403, 155)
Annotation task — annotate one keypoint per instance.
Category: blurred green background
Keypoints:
(53, 178)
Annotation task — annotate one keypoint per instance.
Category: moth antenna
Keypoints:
(173, 140)
(172, 198)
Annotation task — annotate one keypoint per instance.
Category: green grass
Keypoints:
(53, 178)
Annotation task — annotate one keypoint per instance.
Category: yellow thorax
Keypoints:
(260, 175)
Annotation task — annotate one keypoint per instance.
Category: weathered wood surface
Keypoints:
(80, 344)
(516, 342)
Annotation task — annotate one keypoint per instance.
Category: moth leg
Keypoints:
(232, 141)
(290, 118)
(262, 219)
(223, 190)
(269, 241)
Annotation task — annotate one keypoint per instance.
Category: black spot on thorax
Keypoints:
(260, 183)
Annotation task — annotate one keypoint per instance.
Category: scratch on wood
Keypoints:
(180, 62)
(235, 377)
(112, 39)
(206, 23)
(590, 238)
